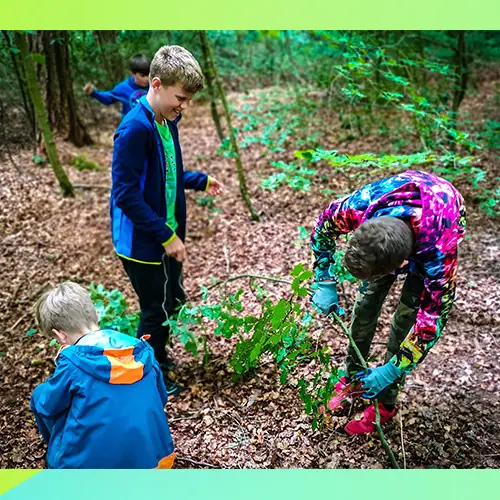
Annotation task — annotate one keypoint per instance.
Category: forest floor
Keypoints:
(448, 411)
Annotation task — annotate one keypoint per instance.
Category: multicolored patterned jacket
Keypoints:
(436, 213)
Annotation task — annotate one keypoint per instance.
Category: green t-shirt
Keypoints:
(170, 174)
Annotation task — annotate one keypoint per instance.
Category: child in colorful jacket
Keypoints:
(410, 223)
(103, 408)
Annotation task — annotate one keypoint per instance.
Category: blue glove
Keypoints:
(326, 298)
(377, 379)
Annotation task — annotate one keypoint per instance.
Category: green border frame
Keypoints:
(257, 484)
(264, 14)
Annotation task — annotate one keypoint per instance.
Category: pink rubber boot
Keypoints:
(344, 393)
(367, 424)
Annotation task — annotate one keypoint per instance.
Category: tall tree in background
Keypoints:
(110, 54)
(21, 80)
(208, 70)
(60, 97)
(461, 70)
(232, 136)
(41, 113)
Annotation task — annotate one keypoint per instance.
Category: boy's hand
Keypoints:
(378, 379)
(214, 188)
(326, 298)
(176, 249)
(89, 88)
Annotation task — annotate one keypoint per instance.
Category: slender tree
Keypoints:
(60, 97)
(232, 136)
(41, 113)
(210, 86)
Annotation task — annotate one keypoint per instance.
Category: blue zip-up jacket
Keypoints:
(103, 408)
(138, 206)
(126, 92)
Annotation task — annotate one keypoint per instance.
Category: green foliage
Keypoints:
(390, 73)
(448, 165)
(280, 333)
(113, 310)
(490, 134)
(298, 178)
(209, 201)
(276, 120)
(55, 343)
(341, 272)
(303, 237)
(39, 160)
(81, 162)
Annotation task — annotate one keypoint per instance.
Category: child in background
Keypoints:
(103, 408)
(130, 90)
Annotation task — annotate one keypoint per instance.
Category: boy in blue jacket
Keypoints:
(148, 203)
(103, 408)
(130, 90)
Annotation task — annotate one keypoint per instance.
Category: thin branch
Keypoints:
(91, 186)
(195, 462)
(402, 440)
(381, 434)
(21, 318)
(242, 276)
(180, 419)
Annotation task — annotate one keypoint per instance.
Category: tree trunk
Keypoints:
(21, 79)
(77, 134)
(56, 110)
(41, 114)
(462, 72)
(210, 85)
(232, 136)
(61, 102)
(110, 55)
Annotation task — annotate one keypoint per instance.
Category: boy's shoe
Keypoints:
(344, 393)
(168, 377)
(168, 364)
(173, 389)
(367, 424)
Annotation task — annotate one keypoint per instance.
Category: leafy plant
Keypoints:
(208, 201)
(298, 178)
(113, 310)
(39, 160)
(81, 162)
(279, 332)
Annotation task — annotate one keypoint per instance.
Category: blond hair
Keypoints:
(174, 64)
(66, 308)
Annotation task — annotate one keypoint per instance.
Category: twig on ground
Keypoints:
(402, 440)
(86, 187)
(239, 277)
(34, 295)
(21, 318)
(179, 419)
(195, 462)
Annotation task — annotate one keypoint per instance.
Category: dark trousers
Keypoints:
(369, 301)
(161, 293)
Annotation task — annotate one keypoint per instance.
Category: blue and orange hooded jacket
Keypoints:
(103, 408)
